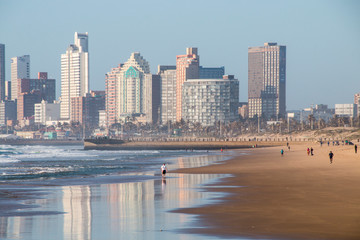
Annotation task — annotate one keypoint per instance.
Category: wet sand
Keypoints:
(294, 196)
(135, 206)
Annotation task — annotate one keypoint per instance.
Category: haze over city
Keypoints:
(321, 38)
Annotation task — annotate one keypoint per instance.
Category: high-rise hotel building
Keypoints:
(187, 67)
(2, 71)
(131, 85)
(132, 92)
(168, 93)
(74, 73)
(20, 68)
(208, 101)
(111, 79)
(267, 80)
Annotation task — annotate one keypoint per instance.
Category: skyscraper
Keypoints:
(152, 98)
(111, 79)
(187, 67)
(20, 68)
(131, 86)
(267, 80)
(2, 71)
(168, 93)
(74, 73)
(208, 101)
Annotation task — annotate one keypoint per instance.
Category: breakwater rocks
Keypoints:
(115, 144)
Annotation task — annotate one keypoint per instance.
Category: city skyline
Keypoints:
(314, 33)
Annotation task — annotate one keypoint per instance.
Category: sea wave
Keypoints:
(8, 160)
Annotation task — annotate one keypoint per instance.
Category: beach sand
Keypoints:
(294, 196)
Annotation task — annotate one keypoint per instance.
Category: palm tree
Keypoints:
(311, 119)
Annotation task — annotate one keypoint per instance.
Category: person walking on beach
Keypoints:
(308, 151)
(163, 170)
(312, 151)
(355, 148)
(331, 155)
(282, 152)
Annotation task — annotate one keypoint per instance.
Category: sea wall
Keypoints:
(113, 144)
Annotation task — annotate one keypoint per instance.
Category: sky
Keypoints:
(322, 38)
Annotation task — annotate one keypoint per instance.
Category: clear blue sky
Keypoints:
(322, 38)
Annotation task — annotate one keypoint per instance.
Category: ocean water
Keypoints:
(64, 192)
(44, 164)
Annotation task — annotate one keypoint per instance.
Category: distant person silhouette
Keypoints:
(355, 148)
(331, 155)
(282, 152)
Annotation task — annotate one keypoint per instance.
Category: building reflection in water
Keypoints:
(77, 208)
(133, 210)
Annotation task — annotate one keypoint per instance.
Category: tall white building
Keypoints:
(20, 68)
(74, 73)
(168, 93)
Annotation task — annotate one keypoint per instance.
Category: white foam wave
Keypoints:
(8, 160)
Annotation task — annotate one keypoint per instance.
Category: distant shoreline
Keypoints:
(39, 142)
(115, 144)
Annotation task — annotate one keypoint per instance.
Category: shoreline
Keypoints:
(291, 197)
(114, 144)
(13, 194)
(87, 209)
(14, 142)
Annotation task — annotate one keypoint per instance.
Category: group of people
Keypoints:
(310, 151)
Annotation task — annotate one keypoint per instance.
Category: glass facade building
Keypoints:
(267, 80)
(211, 72)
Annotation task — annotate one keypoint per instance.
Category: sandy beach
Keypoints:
(295, 196)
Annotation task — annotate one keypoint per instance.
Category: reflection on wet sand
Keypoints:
(134, 210)
(77, 208)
